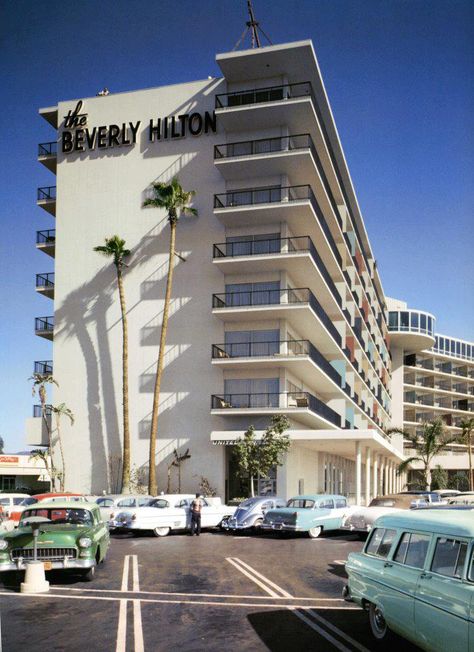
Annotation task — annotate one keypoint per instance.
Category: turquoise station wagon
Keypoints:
(311, 513)
(415, 577)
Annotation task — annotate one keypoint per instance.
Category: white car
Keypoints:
(170, 512)
(112, 504)
(362, 518)
(7, 501)
(465, 498)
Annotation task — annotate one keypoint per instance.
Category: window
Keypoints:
(5, 502)
(248, 245)
(252, 343)
(449, 557)
(7, 482)
(142, 501)
(393, 320)
(126, 502)
(423, 323)
(301, 503)
(280, 504)
(380, 542)
(341, 503)
(414, 320)
(412, 549)
(254, 392)
(160, 503)
(105, 502)
(18, 500)
(251, 294)
(328, 503)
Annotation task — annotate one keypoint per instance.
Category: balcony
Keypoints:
(298, 306)
(36, 427)
(43, 367)
(411, 329)
(45, 284)
(296, 205)
(46, 241)
(301, 406)
(48, 155)
(44, 327)
(298, 356)
(297, 256)
(46, 198)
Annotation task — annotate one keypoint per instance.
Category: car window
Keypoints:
(4, 501)
(267, 505)
(340, 503)
(18, 501)
(328, 503)
(29, 501)
(182, 503)
(105, 502)
(449, 557)
(302, 503)
(412, 549)
(126, 502)
(71, 515)
(142, 501)
(158, 502)
(280, 503)
(380, 542)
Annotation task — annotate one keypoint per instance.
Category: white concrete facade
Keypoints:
(278, 258)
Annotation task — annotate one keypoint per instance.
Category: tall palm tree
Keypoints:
(432, 440)
(175, 200)
(467, 426)
(115, 248)
(43, 456)
(40, 383)
(60, 411)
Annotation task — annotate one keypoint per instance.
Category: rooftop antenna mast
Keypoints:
(253, 27)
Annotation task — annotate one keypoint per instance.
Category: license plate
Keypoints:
(47, 565)
(278, 526)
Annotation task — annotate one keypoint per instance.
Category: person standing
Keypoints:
(196, 508)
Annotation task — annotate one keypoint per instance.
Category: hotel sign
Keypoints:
(77, 136)
(9, 459)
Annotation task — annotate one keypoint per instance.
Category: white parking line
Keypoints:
(137, 626)
(137, 612)
(136, 583)
(126, 563)
(284, 593)
(122, 627)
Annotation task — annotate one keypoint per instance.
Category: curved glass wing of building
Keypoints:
(411, 321)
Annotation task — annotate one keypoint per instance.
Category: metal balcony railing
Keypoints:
(46, 237)
(287, 348)
(282, 400)
(43, 367)
(44, 324)
(48, 149)
(45, 280)
(46, 193)
(263, 146)
(276, 297)
(271, 246)
(274, 195)
(267, 94)
(38, 411)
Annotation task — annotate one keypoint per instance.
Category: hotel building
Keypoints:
(277, 305)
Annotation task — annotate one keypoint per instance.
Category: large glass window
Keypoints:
(412, 549)
(423, 323)
(414, 320)
(449, 557)
(251, 294)
(252, 343)
(393, 320)
(380, 542)
(250, 245)
(254, 392)
(404, 321)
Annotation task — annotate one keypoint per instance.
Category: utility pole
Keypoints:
(253, 27)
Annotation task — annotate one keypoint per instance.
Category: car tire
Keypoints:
(161, 531)
(378, 625)
(314, 532)
(89, 574)
(257, 526)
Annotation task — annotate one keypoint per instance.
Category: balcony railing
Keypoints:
(273, 195)
(283, 400)
(43, 367)
(266, 94)
(264, 146)
(289, 348)
(276, 297)
(38, 410)
(44, 324)
(48, 149)
(46, 237)
(45, 280)
(46, 193)
(300, 244)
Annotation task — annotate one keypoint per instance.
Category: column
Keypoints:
(395, 490)
(368, 461)
(382, 475)
(358, 456)
(386, 482)
(375, 491)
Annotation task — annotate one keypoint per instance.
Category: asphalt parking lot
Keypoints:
(185, 593)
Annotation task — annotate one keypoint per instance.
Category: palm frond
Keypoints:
(403, 466)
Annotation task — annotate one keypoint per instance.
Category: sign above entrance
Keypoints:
(77, 136)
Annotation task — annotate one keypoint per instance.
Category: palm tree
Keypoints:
(115, 248)
(40, 382)
(60, 411)
(175, 200)
(467, 426)
(432, 440)
(42, 455)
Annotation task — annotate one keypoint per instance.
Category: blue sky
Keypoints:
(399, 75)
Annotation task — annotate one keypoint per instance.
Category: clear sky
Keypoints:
(399, 76)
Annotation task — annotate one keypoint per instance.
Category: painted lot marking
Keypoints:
(123, 610)
(307, 615)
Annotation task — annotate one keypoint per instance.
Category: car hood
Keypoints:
(66, 535)
(369, 514)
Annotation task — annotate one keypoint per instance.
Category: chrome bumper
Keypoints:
(353, 528)
(278, 527)
(63, 564)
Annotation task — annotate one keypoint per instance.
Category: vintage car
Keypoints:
(8, 501)
(249, 513)
(362, 518)
(312, 514)
(465, 498)
(16, 512)
(110, 505)
(72, 536)
(415, 577)
(170, 512)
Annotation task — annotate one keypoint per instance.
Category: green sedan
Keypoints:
(71, 537)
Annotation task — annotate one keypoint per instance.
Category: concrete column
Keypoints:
(358, 456)
(390, 476)
(368, 461)
(382, 475)
(386, 471)
(375, 491)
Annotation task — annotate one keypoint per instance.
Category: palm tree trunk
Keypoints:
(469, 450)
(42, 397)
(62, 481)
(126, 421)
(428, 478)
(152, 486)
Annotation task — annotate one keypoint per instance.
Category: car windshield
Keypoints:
(247, 504)
(382, 502)
(300, 503)
(60, 516)
(29, 501)
(158, 502)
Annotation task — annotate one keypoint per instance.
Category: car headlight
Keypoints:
(3, 544)
(85, 542)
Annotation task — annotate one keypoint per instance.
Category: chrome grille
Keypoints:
(50, 554)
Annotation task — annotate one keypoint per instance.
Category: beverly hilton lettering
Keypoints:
(78, 137)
